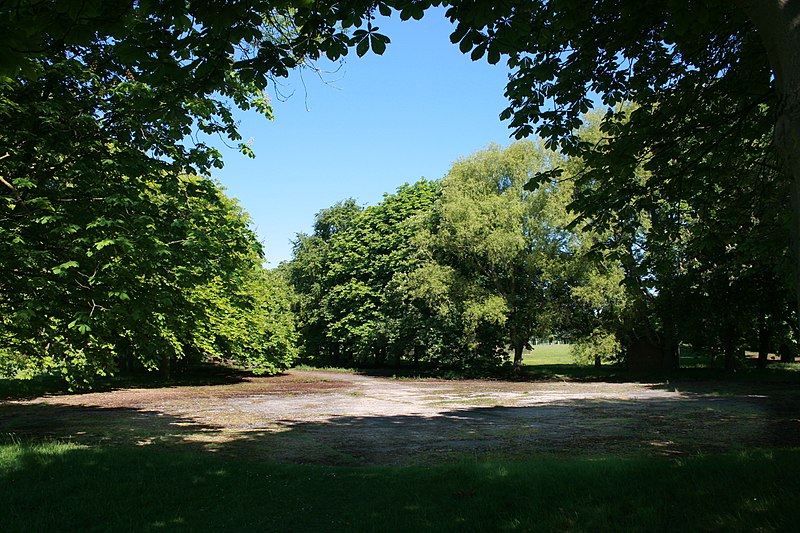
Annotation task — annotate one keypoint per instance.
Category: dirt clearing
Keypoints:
(343, 418)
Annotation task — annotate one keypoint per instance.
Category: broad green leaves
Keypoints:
(167, 270)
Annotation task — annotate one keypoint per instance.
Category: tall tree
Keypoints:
(308, 274)
(347, 276)
(689, 239)
(489, 224)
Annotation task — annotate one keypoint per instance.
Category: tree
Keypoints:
(514, 240)
(126, 273)
(704, 257)
(707, 79)
(110, 89)
(347, 275)
(308, 275)
(153, 78)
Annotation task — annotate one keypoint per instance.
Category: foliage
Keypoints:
(442, 274)
(348, 276)
(123, 273)
(116, 255)
(504, 246)
(666, 265)
(596, 348)
(690, 178)
(105, 107)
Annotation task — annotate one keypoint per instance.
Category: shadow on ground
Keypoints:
(694, 423)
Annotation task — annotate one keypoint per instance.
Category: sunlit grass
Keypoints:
(548, 354)
(305, 367)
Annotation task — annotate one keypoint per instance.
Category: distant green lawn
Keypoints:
(59, 487)
(548, 354)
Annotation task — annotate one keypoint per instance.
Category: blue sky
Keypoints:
(379, 122)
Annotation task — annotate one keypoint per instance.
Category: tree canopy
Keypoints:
(118, 247)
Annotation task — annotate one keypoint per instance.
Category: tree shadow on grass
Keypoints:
(579, 465)
(146, 489)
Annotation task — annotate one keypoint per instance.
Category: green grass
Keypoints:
(305, 367)
(59, 487)
(554, 361)
(548, 354)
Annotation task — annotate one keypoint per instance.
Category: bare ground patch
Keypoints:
(341, 418)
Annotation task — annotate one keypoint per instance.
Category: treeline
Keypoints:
(461, 273)
(116, 256)
(442, 274)
(121, 274)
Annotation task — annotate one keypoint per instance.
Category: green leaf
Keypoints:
(63, 267)
(466, 44)
(363, 47)
(102, 244)
(378, 45)
(478, 52)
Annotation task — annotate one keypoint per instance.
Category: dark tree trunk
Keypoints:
(786, 353)
(729, 351)
(419, 353)
(776, 23)
(598, 362)
(380, 357)
(166, 362)
(763, 342)
(519, 347)
(644, 354)
(672, 354)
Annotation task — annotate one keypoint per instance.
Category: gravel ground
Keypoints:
(342, 418)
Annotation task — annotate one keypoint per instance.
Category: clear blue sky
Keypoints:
(379, 122)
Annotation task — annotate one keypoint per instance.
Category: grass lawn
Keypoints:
(61, 487)
(548, 354)
(173, 485)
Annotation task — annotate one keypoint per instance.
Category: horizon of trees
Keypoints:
(452, 273)
(119, 251)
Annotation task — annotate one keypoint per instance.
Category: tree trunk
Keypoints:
(786, 352)
(729, 350)
(519, 346)
(419, 353)
(166, 360)
(672, 354)
(598, 362)
(763, 342)
(380, 357)
(779, 30)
